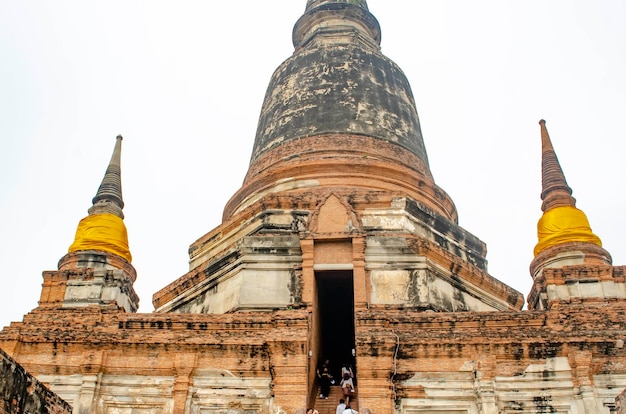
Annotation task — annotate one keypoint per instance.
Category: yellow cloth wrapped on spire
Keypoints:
(563, 225)
(105, 232)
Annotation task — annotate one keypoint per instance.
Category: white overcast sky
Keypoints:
(183, 82)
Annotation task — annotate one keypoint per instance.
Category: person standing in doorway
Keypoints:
(347, 387)
(346, 369)
(325, 381)
(326, 364)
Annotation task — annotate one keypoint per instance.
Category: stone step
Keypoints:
(329, 406)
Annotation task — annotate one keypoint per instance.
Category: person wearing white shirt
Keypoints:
(341, 407)
(349, 410)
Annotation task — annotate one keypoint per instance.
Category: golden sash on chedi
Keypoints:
(105, 232)
(563, 225)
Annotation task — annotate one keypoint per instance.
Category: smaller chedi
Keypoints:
(566, 241)
(104, 228)
(101, 245)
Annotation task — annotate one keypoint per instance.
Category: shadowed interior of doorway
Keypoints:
(335, 291)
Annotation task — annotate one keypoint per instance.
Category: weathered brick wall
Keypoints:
(21, 393)
(105, 359)
(569, 359)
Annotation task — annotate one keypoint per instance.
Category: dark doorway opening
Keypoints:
(335, 290)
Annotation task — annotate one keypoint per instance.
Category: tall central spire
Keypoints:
(338, 82)
(338, 94)
(338, 189)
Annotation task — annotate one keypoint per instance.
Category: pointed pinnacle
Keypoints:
(111, 186)
(333, 17)
(311, 4)
(555, 191)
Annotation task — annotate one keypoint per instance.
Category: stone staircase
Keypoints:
(329, 406)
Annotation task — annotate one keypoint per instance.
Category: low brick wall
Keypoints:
(22, 393)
